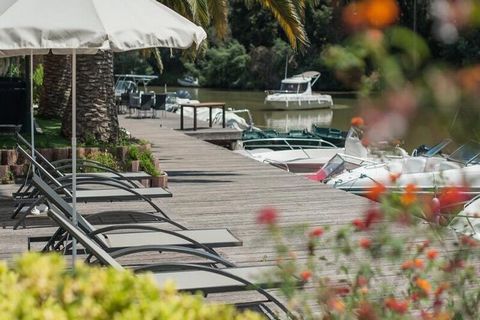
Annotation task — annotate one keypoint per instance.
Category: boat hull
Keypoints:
(298, 104)
(184, 83)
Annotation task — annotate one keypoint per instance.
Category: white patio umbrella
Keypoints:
(34, 27)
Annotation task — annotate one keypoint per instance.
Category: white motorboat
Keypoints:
(188, 81)
(296, 93)
(129, 83)
(312, 155)
(467, 221)
(295, 160)
(430, 172)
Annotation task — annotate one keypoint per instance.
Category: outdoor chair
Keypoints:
(117, 192)
(160, 100)
(130, 235)
(133, 102)
(146, 104)
(57, 168)
(190, 277)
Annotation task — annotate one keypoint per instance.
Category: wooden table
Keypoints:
(195, 106)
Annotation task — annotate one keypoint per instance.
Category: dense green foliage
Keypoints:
(40, 287)
(260, 48)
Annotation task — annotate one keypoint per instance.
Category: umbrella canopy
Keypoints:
(59, 26)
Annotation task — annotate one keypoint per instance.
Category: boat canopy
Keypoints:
(136, 77)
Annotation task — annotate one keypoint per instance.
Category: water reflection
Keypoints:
(288, 120)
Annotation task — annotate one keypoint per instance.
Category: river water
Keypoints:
(423, 129)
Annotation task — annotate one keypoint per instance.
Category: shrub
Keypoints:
(133, 153)
(147, 163)
(105, 158)
(41, 287)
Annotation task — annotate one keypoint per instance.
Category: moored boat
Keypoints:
(188, 81)
(296, 94)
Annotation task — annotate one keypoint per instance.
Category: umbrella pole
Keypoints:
(32, 120)
(74, 152)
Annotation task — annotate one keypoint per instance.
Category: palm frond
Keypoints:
(218, 10)
(287, 16)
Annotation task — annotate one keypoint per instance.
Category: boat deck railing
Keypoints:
(287, 143)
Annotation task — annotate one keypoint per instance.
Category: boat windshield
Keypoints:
(467, 154)
(338, 164)
(293, 87)
(436, 149)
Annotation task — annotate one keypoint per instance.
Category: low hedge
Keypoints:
(40, 286)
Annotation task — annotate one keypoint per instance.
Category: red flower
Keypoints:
(452, 196)
(366, 311)
(342, 290)
(376, 192)
(267, 215)
(306, 275)
(357, 122)
(468, 241)
(362, 281)
(372, 216)
(397, 306)
(359, 224)
(365, 243)
(316, 232)
(394, 176)
(432, 254)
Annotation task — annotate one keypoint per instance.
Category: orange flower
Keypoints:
(365, 243)
(376, 192)
(409, 197)
(316, 232)
(336, 304)
(444, 315)
(424, 285)
(306, 275)
(413, 264)
(357, 122)
(353, 15)
(397, 306)
(267, 215)
(418, 263)
(381, 13)
(441, 288)
(432, 254)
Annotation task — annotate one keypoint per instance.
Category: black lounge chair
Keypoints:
(131, 235)
(189, 277)
(117, 192)
(56, 168)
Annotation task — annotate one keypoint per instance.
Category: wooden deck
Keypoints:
(212, 188)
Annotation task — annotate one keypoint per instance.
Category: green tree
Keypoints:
(288, 13)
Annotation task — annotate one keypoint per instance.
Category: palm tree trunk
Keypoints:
(55, 97)
(96, 110)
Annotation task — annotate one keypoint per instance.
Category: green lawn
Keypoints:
(50, 138)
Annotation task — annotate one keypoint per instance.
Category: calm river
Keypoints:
(423, 130)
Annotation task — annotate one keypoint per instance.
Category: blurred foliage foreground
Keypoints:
(41, 287)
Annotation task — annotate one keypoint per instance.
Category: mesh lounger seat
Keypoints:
(131, 235)
(188, 276)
